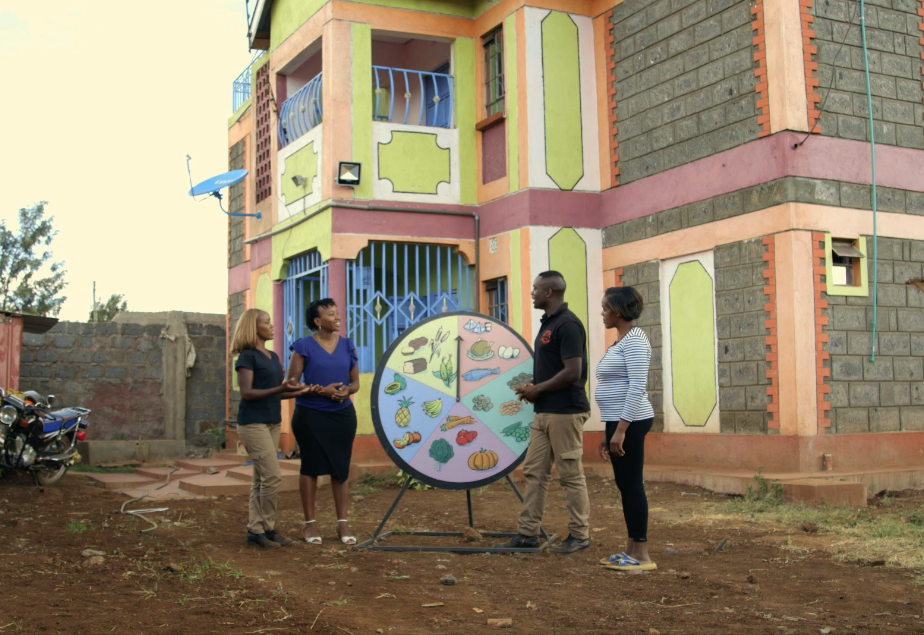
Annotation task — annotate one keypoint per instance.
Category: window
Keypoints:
(497, 298)
(494, 71)
(845, 266)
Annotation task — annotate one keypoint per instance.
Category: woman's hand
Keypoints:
(604, 452)
(292, 385)
(331, 391)
(616, 442)
(305, 391)
(342, 393)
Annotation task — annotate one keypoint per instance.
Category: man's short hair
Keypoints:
(553, 280)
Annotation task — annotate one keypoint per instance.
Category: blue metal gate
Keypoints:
(306, 281)
(391, 286)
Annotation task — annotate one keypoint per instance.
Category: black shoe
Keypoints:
(261, 541)
(570, 545)
(521, 542)
(282, 541)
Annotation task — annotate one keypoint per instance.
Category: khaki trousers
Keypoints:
(261, 440)
(559, 439)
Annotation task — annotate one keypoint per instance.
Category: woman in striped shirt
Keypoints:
(622, 378)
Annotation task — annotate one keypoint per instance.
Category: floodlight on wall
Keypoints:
(299, 180)
(348, 174)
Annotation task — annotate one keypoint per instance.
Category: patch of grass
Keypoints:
(764, 491)
(194, 571)
(84, 468)
(75, 527)
(340, 602)
(364, 490)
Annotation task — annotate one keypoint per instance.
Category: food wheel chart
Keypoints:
(443, 400)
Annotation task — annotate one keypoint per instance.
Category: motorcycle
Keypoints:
(38, 440)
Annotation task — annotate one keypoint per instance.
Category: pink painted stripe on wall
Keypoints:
(261, 253)
(352, 221)
(239, 278)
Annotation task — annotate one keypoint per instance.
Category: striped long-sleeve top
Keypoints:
(622, 379)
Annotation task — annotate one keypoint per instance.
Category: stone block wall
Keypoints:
(742, 349)
(115, 370)
(205, 386)
(894, 43)
(236, 309)
(685, 82)
(236, 206)
(645, 277)
(886, 395)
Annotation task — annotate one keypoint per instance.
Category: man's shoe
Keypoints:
(282, 541)
(570, 545)
(261, 541)
(521, 542)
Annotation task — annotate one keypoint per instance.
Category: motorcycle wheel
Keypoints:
(48, 478)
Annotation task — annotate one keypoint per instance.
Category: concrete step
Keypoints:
(160, 473)
(215, 485)
(203, 466)
(231, 455)
(375, 468)
(290, 465)
(118, 481)
(245, 474)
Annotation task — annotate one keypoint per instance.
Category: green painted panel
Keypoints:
(568, 256)
(561, 76)
(693, 362)
(362, 105)
(414, 162)
(314, 233)
(463, 69)
(515, 293)
(263, 298)
(287, 15)
(510, 74)
(302, 163)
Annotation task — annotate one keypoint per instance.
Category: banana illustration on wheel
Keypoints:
(433, 408)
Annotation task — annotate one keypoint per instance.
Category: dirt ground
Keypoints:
(194, 575)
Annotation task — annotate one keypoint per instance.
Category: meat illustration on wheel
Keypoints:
(444, 404)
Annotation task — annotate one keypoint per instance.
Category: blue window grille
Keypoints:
(240, 89)
(431, 94)
(301, 112)
(497, 298)
(391, 286)
(306, 281)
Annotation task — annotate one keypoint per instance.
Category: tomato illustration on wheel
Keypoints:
(444, 404)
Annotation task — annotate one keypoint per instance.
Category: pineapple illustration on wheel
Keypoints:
(403, 416)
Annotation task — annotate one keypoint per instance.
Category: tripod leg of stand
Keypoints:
(391, 509)
(471, 519)
(520, 496)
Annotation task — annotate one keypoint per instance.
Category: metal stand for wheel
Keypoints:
(378, 535)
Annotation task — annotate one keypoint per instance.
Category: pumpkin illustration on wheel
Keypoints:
(483, 460)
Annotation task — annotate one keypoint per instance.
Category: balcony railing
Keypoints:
(428, 97)
(301, 112)
(240, 89)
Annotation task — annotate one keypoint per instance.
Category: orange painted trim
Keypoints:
(337, 97)
(527, 285)
(347, 246)
(304, 36)
(773, 372)
(494, 189)
(523, 118)
(811, 66)
(822, 356)
(603, 39)
(405, 21)
(228, 369)
(763, 102)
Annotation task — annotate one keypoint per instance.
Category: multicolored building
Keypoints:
(714, 154)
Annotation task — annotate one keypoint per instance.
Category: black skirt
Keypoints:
(325, 441)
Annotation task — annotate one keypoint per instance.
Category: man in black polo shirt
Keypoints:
(561, 406)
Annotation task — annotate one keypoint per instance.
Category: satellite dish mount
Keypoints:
(214, 185)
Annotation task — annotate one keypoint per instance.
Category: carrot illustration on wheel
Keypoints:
(452, 422)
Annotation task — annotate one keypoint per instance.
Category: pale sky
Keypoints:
(101, 103)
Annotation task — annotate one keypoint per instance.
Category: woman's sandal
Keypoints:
(616, 557)
(631, 564)
(347, 540)
(312, 540)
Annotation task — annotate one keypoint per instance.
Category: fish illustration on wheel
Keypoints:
(477, 374)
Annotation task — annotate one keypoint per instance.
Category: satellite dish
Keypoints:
(214, 185)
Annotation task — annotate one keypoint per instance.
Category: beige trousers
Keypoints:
(559, 439)
(261, 440)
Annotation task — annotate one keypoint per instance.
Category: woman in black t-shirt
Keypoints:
(260, 378)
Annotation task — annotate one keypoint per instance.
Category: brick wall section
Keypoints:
(611, 98)
(685, 80)
(741, 320)
(822, 354)
(811, 66)
(786, 190)
(236, 206)
(888, 394)
(263, 183)
(645, 277)
(760, 73)
(235, 310)
(205, 386)
(772, 372)
(894, 40)
(116, 370)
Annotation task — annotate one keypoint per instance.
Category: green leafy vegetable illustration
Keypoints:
(441, 452)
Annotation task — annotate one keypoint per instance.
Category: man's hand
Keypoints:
(528, 393)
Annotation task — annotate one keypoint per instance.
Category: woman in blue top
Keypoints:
(622, 379)
(324, 423)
